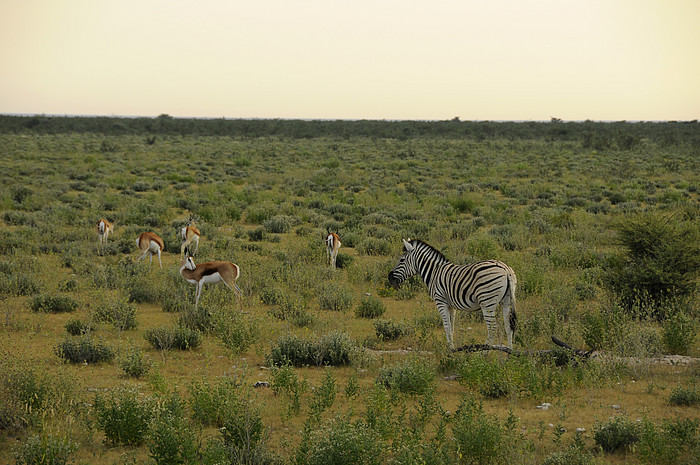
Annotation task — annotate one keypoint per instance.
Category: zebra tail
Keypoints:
(512, 318)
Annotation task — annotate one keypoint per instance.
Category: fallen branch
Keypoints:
(560, 358)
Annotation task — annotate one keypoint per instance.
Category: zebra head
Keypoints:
(406, 266)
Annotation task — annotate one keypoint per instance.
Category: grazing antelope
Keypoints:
(104, 228)
(189, 234)
(332, 246)
(210, 273)
(150, 243)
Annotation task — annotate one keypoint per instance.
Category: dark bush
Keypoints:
(618, 433)
(173, 338)
(124, 416)
(387, 330)
(370, 307)
(83, 349)
(661, 261)
(53, 304)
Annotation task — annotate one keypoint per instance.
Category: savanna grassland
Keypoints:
(104, 359)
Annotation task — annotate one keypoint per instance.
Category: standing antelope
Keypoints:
(332, 246)
(188, 234)
(210, 273)
(104, 228)
(150, 243)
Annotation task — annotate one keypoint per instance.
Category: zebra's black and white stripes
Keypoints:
(484, 285)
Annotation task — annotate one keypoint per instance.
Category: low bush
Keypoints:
(179, 337)
(675, 442)
(479, 437)
(343, 260)
(678, 334)
(124, 416)
(134, 363)
(490, 379)
(618, 433)
(333, 297)
(387, 330)
(236, 331)
(44, 449)
(278, 224)
(411, 376)
(83, 349)
(370, 307)
(688, 396)
(76, 327)
(118, 312)
(211, 402)
(343, 441)
(330, 349)
(53, 304)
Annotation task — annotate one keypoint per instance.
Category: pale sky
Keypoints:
(360, 59)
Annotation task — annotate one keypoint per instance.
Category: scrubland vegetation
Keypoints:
(105, 360)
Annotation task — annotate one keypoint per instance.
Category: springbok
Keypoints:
(189, 234)
(332, 246)
(150, 243)
(210, 273)
(104, 229)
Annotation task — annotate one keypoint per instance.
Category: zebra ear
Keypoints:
(407, 245)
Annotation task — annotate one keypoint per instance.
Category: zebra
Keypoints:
(484, 284)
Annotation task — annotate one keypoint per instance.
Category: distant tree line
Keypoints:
(599, 135)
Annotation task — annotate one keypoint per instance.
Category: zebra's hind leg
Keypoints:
(509, 320)
(489, 313)
(445, 315)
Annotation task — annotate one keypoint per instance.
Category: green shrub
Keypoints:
(330, 349)
(341, 441)
(343, 260)
(490, 379)
(293, 310)
(333, 297)
(210, 403)
(291, 349)
(618, 433)
(387, 330)
(53, 304)
(278, 224)
(480, 438)
(242, 426)
(134, 363)
(179, 337)
(333, 349)
(676, 442)
(18, 283)
(83, 349)
(124, 416)
(76, 327)
(172, 442)
(44, 449)
(570, 456)
(687, 396)
(370, 307)
(258, 234)
(118, 312)
(412, 376)
(661, 261)
(285, 382)
(679, 334)
(235, 332)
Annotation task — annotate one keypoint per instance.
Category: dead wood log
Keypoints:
(570, 356)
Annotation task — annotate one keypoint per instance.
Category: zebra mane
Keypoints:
(436, 252)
